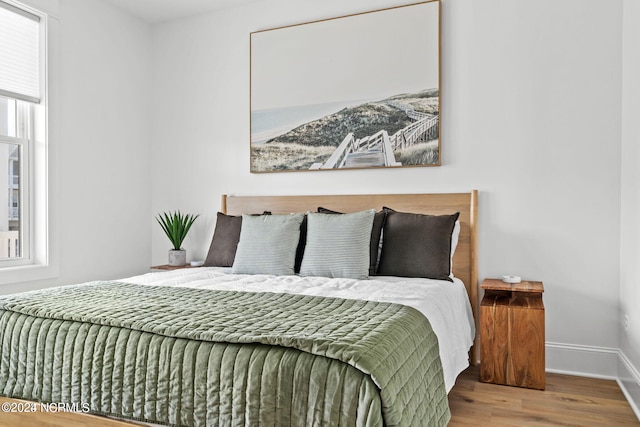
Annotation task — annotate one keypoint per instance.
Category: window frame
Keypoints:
(42, 261)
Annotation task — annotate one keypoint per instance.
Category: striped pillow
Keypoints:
(338, 245)
(268, 244)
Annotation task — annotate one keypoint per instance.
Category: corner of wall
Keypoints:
(629, 382)
(596, 362)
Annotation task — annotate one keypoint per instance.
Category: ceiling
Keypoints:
(155, 11)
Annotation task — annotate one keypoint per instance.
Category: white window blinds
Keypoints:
(19, 53)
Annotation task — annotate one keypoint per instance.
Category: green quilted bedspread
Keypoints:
(194, 357)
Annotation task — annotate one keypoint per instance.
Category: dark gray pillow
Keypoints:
(224, 243)
(376, 231)
(302, 243)
(417, 245)
(222, 250)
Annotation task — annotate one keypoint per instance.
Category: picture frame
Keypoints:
(351, 92)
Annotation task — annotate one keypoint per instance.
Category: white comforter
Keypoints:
(445, 304)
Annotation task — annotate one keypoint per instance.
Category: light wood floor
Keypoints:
(566, 401)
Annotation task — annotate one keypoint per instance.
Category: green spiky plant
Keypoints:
(176, 226)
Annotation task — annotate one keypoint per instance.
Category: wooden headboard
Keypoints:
(465, 261)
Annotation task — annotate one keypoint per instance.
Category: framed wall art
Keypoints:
(358, 91)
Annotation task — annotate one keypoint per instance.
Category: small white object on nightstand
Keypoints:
(197, 263)
(511, 279)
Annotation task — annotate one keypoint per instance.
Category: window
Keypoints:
(14, 147)
(22, 126)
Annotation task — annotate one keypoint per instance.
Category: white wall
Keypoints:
(531, 108)
(630, 231)
(104, 145)
(99, 172)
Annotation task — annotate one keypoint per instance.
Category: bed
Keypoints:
(214, 346)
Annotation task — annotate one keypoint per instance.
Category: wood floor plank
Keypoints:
(567, 401)
(39, 417)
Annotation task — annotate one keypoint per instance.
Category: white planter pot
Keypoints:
(177, 258)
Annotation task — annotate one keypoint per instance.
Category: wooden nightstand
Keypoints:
(512, 334)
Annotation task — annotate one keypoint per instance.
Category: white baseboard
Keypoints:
(629, 382)
(596, 362)
(581, 360)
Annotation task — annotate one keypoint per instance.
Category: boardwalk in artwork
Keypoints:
(378, 149)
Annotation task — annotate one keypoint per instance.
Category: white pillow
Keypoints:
(454, 243)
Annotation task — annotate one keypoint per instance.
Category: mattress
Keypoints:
(196, 347)
(444, 303)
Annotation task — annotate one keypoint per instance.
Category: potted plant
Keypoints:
(176, 226)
